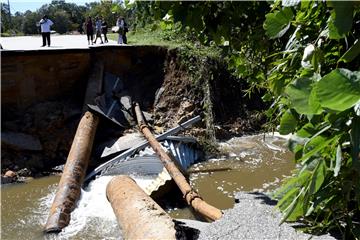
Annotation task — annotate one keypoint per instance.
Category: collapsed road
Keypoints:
(107, 97)
(112, 86)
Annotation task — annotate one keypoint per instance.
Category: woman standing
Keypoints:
(98, 30)
(89, 30)
(121, 24)
(104, 28)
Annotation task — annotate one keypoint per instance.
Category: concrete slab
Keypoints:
(57, 42)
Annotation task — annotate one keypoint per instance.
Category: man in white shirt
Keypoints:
(45, 24)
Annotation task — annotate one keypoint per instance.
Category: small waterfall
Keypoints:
(93, 218)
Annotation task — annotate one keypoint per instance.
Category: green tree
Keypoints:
(61, 21)
(5, 17)
(17, 21)
(74, 14)
(109, 10)
(30, 23)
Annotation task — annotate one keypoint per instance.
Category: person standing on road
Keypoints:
(120, 23)
(45, 24)
(89, 30)
(98, 30)
(104, 28)
(126, 29)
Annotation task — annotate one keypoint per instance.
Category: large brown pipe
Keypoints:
(138, 215)
(74, 172)
(191, 197)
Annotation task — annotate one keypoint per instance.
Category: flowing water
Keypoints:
(252, 164)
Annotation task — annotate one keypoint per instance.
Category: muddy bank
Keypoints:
(208, 90)
(37, 133)
(35, 141)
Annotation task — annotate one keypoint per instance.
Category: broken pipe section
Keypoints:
(192, 197)
(69, 189)
(138, 215)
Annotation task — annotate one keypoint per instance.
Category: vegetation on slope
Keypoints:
(305, 55)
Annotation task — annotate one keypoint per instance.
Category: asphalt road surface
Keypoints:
(57, 42)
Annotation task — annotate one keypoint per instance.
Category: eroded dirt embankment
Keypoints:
(43, 94)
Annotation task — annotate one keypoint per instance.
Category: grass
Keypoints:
(147, 37)
(169, 39)
(11, 34)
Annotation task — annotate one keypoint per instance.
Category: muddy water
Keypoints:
(251, 164)
(23, 208)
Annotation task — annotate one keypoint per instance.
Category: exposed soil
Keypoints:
(182, 95)
(53, 124)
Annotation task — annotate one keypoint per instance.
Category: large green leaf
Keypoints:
(287, 123)
(318, 177)
(314, 104)
(352, 53)
(277, 23)
(294, 210)
(341, 18)
(339, 90)
(321, 145)
(307, 131)
(286, 199)
(301, 97)
(277, 83)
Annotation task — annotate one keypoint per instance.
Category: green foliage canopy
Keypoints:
(315, 79)
(305, 56)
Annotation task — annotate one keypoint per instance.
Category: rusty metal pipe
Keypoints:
(191, 196)
(69, 189)
(138, 215)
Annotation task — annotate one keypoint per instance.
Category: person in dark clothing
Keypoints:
(98, 29)
(122, 29)
(104, 29)
(126, 29)
(89, 30)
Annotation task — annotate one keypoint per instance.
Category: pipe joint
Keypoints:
(189, 196)
(142, 126)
